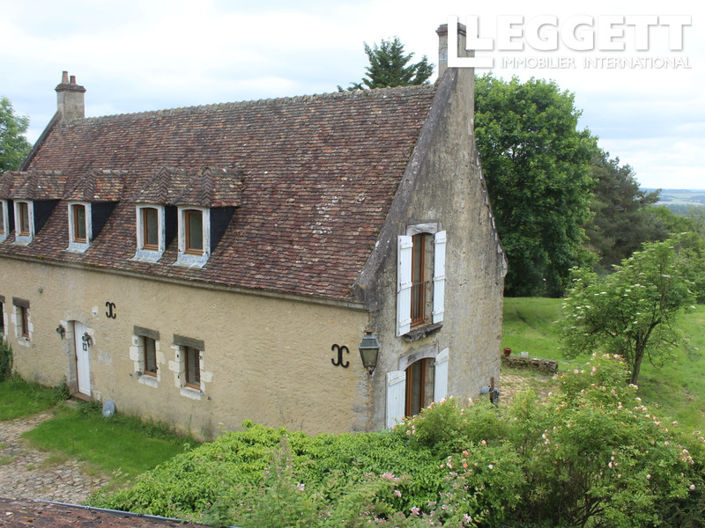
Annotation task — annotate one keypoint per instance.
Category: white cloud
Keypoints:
(144, 55)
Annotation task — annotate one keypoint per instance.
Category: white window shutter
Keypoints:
(439, 275)
(396, 397)
(404, 245)
(440, 380)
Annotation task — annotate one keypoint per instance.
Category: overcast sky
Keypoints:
(138, 56)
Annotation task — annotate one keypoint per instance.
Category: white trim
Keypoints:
(404, 248)
(150, 255)
(74, 246)
(439, 275)
(136, 354)
(417, 229)
(396, 397)
(5, 217)
(23, 240)
(16, 317)
(440, 377)
(186, 259)
(427, 351)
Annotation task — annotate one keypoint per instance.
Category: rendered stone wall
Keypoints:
(443, 184)
(265, 359)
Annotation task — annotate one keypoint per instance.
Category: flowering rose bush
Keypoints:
(592, 454)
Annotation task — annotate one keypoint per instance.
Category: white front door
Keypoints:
(83, 358)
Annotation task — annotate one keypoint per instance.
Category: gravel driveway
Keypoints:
(26, 473)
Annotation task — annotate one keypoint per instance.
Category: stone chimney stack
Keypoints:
(70, 99)
(442, 32)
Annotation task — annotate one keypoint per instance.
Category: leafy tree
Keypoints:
(536, 163)
(622, 218)
(630, 312)
(389, 67)
(14, 147)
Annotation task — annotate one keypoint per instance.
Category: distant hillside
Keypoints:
(678, 200)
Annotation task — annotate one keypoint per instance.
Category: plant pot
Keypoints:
(507, 351)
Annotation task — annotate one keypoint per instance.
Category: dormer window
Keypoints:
(193, 226)
(150, 228)
(194, 236)
(151, 232)
(78, 212)
(24, 222)
(4, 220)
(79, 226)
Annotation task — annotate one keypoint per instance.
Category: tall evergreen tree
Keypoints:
(622, 218)
(14, 147)
(389, 67)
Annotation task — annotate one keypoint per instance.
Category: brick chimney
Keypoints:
(442, 32)
(70, 99)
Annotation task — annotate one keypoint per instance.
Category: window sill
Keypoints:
(22, 240)
(191, 261)
(421, 332)
(192, 393)
(149, 380)
(147, 255)
(77, 247)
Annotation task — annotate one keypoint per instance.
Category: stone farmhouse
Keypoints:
(203, 266)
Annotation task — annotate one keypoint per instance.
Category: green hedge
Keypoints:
(590, 455)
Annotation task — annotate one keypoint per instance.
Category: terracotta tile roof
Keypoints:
(98, 186)
(313, 178)
(33, 185)
(16, 513)
(205, 188)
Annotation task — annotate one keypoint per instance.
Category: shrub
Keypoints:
(446, 428)
(5, 360)
(590, 455)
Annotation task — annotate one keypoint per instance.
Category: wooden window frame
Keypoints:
(410, 384)
(418, 287)
(3, 222)
(22, 218)
(187, 238)
(75, 235)
(24, 321)
(145, 340)
(191, 377)
(143, 218)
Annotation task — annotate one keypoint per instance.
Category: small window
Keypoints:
(23, 224)
(194, 236)
(419, 386)
(150, 228)
(22, 325)
(193, 224)
(3, 221)
(192, 367)
(24, 321)
(419, 284)
(78, 213)
(149, 349)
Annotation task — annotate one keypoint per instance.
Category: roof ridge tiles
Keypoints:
(349, 94)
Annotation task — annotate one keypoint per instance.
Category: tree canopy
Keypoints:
(622, 217)
(389, 66)
(537, 166)
(631, 311)
(14, 147)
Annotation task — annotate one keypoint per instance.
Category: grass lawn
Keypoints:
(677, 386)
(122, 445)
(20, 398)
